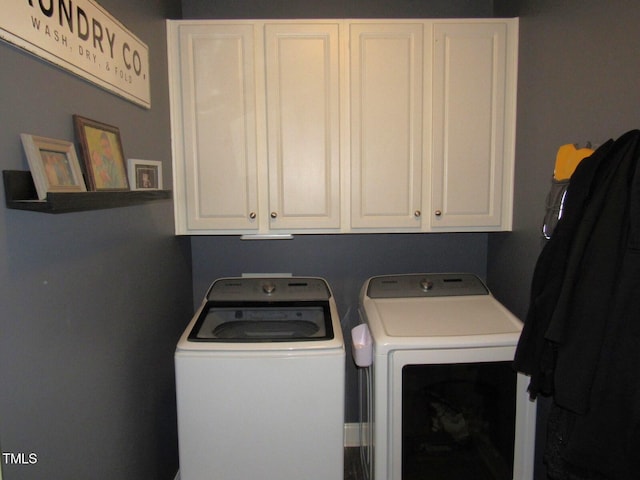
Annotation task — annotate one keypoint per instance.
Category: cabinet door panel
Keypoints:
(219, 126)
(469, 75)
(386, 124)
(302, 72)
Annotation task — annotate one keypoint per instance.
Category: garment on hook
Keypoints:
(579, 342)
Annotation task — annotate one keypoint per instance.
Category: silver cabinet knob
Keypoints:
(252, 215)
(438, 213)
(417, 213)
(268, 288)
(274, 214)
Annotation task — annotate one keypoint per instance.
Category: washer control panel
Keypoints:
(426, 285)
(276, 289)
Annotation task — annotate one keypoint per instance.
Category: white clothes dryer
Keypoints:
(260, 382)
(443, 399)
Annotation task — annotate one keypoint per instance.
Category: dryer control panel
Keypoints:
(248, 289)
(426, 285)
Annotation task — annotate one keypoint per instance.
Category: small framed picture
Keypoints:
(144, 174)
(54, 165)
(101, 149)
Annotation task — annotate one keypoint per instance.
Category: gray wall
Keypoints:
(91, 304)
(578, 82)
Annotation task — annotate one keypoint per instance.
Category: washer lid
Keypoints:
(250, 322)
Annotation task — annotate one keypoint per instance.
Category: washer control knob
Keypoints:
(426, 284)
(268, 288)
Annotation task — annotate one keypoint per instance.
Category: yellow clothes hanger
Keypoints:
(567, 159)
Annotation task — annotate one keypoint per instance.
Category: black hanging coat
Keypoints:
(581, 338)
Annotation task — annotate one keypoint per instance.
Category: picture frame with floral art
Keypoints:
(102, 154)
(144, 174)
(54, 165)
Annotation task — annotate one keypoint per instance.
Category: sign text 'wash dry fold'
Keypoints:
(82, 37)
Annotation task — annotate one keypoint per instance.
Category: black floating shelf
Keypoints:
(20, 194)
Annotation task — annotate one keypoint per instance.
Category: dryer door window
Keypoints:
(458, 421)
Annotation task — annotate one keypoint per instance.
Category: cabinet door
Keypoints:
(218, 127)
(303, 129)
(386, 67)
(473, 114)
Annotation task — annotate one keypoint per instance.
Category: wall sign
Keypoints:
(82, 37)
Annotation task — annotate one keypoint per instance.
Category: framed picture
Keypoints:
(101, 149)
(54, 165)
(144, 174)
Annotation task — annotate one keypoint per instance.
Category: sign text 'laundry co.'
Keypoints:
(82, 37)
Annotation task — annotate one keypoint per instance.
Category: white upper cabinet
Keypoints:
(213, 80)
(303, 125)
(387, 90)
(311, 126)
(256, 128)
(474, 95)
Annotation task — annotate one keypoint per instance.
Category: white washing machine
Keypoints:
(443, 401)
(260, 383)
